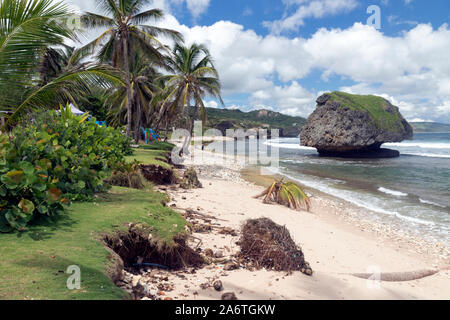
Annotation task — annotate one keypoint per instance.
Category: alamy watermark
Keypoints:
(374, 281)
(74, 280)
(72, 22)
(375, 16)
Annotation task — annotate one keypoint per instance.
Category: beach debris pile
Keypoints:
(204, 223)
(190, 180)
(265, 244)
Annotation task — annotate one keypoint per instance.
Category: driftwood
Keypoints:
(398, 276)
(192, 212)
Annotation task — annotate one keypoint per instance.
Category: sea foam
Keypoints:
(422, 145)
(432, 203)
(428, 155)
(392, 192)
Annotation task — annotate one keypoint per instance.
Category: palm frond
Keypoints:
(109, 7)
(157, 32)
(26, 28)
(288, 194)
(50, 95)
(143, 17)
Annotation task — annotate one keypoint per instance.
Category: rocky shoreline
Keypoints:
(216, 224)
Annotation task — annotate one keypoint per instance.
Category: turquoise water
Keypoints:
(411, 192)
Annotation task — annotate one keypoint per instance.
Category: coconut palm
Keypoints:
(194, 77)
(56, 61)
(286, 193)
(127, 32)
(142, 75)
(27, 29)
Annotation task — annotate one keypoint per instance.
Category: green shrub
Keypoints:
(52, 159)
(127, 174)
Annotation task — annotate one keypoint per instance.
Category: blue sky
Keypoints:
(282, 54)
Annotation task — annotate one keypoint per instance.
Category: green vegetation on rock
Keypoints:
(380, 110)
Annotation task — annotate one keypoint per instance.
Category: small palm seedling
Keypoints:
(127, 174)
(288, 194)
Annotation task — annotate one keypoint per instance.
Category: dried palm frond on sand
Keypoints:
(288, 194)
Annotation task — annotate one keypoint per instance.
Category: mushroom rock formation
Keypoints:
(354, 126)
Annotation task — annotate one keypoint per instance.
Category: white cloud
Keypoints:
(308, 9)
(195, 7)
(411, 69)
(290, 99)
(211, 104)
(419, 120)
(247, 12)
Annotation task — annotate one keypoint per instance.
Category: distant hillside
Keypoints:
(426, 127)
(224, 119)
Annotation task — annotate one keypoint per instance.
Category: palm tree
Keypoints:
(56, 61)
(194, 77)
(126, 32)
(62, 61)
(27, 29)
(142, 75)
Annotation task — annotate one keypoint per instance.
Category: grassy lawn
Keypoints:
(33, 263)
(150, 154)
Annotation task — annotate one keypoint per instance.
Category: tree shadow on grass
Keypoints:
(44, 228)
(51, 280)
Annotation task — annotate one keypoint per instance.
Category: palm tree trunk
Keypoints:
(190, 124)
(137, 130)
(126, 65)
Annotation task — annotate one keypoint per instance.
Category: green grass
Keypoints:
(372, 104)
(149, 154)
(33, 262)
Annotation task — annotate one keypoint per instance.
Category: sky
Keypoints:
(282, 54)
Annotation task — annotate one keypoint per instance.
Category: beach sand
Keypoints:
(334, 242)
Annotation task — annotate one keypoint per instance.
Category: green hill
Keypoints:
(425, 127)
(224, 119)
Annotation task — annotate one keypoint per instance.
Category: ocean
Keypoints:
(411, 192)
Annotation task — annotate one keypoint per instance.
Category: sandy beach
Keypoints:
(334, 240)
